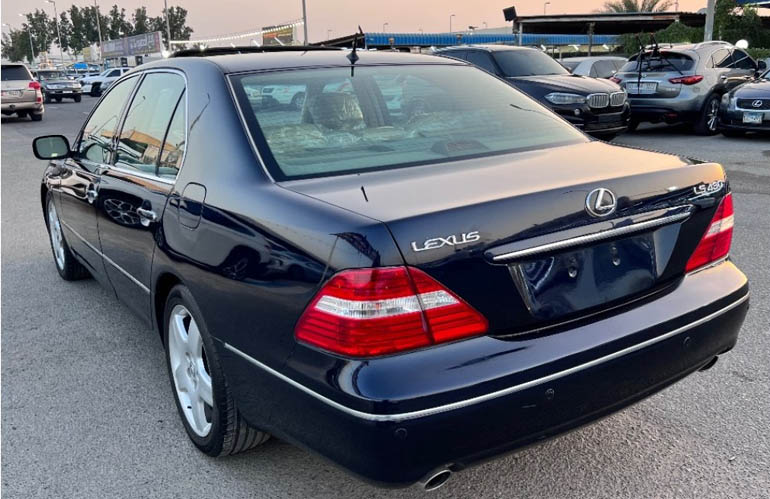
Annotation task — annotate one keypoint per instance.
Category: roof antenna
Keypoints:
(353, 56)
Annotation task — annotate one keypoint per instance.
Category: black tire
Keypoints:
(707, 123)
(70, 269)
(298, 100)
(605, 136)
(733, 133)
(229, 433)
(95, 90)
(46, 98)
(36, 117)
(77, 98)
(57, 99)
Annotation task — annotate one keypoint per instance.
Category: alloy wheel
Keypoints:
(57, 241)
(713, 112)
(189, 368)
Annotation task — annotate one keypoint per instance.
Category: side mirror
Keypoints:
(51, 147)
(761, 65)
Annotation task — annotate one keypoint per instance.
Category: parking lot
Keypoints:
(87, 410)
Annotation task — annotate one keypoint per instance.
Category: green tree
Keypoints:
(118, 25)
(65, 30)
(15, 46)
(39, 24)
(142, 23)
(177, 17)
(623, 6)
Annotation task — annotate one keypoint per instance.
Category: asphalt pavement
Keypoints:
(87, 409)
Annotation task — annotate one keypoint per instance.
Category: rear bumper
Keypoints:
(69, 93)
(393, 420)
(35, 107)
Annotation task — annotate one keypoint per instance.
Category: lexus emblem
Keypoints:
(757, 103)
(601, 202)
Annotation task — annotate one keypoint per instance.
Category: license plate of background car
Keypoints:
(12, 93)
(646, 87)
(753, 118)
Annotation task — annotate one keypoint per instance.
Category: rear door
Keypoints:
(743, 69)
(80, 181)
(134, 189)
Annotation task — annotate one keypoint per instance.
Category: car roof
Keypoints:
(489, 48)
(594, 58)
(259, 61)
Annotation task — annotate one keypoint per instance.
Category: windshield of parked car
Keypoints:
(318, 122)
(527, 62)
(665, 61)
(11, 73)
(571, 65)
(50, 75)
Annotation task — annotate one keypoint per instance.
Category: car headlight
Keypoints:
(562, 98)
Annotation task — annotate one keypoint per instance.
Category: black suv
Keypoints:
(596, 106)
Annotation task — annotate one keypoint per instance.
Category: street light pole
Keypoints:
(304, 19)
(31, 43)
(383, 26)
(58, 33)
(99, 29)
(450, 22)
(168, 23)
(545, 7)
(708, 32)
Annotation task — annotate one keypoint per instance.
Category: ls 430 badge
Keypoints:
(453, 240)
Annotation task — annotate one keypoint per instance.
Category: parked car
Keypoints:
(598, 107)
(56, 86)
(685, 83)
(405, 291)
(601, 66)
(746, 108)
(21, 94)
(95, 85)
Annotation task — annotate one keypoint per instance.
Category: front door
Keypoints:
(134, 189)
(80, 179)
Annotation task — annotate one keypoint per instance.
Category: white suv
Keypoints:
(95, 85)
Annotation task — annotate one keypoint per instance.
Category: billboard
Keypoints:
(146, 43)
(272, 35)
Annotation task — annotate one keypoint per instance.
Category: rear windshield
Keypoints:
(319, 122)
(570, 64)
(664, 62)
(527, 62)
(10, 73)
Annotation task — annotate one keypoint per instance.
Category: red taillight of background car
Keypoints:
(378, 311)
(687, 80)
(34, 85)
(715, 243)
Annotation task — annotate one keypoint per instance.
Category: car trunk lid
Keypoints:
(472, 225)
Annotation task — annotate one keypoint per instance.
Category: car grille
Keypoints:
(598, 100)
(749, 104)
(617, 99)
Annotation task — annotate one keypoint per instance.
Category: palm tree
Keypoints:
(621, 6)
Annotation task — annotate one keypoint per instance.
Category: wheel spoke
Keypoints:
(181, 378)
(204, 386)
(179, 333)
(198, 415)
(194, 343)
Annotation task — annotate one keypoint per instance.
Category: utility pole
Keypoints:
(168, 23)
(708, 33)
(450, 22)
(58, 33)
(304, 19)
(99, 29)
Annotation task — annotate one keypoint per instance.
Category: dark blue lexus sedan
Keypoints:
(403, 263)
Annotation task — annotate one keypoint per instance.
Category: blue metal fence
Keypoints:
(445, 39)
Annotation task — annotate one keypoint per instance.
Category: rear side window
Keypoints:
(722, 58)
(604, 69)
(482, 60)
(11, 73)
(571, 65)
(147, 121)
(390, 117)
(664, 62)
(96, 142)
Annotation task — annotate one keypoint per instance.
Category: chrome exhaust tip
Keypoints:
(435, 479)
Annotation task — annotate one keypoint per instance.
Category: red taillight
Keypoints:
(687, 80)
(377, 311)
(715, 243)
(34, 85)
(615, 79)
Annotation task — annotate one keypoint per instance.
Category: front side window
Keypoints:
(147, 120)
(390, 117)
(114, 73)
(96, 141)
(743, 61)
(527, 62)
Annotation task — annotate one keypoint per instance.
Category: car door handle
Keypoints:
(147, 216)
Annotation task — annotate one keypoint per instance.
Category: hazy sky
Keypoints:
(341, 16)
